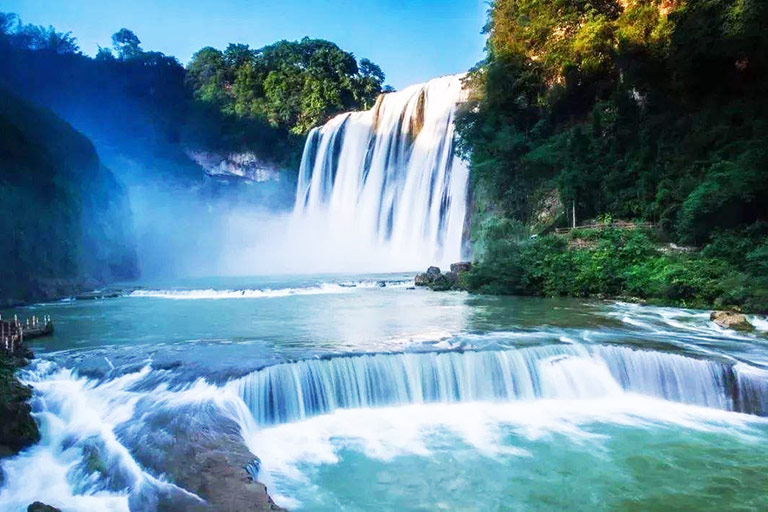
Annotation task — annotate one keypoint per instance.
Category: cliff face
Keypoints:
(245, 165)
(64, 218)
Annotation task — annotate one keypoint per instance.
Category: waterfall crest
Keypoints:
(388, 179)
(292, 391)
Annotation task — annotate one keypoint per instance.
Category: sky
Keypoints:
(412, 41)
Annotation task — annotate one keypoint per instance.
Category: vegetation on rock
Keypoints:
(18, 429)
(295, 85)
(650, 110)
(614, 263)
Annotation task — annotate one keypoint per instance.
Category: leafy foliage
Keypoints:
(293, 85)
(615, 263)
(647, 109)
(126, 44)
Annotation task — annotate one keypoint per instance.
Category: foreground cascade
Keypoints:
(294, 391)
(388, 179)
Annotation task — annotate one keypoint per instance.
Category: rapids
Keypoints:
(360, 392)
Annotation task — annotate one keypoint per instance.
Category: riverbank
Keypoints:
(619, 264)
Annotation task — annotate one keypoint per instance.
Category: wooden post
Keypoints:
(573, 210)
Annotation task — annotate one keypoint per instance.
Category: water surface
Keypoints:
(359, 392)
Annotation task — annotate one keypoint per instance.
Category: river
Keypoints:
(361, 393)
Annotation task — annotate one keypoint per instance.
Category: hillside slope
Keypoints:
(648, 110)
(64, 218)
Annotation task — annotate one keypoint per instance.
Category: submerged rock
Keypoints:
(731, 320)
(42, 507)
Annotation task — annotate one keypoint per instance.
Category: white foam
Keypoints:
(267, 293)
(75, 410)
(695, 325)
(78, 413)
(289, 451)
(759, 322)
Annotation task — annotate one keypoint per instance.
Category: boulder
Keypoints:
(444, 282)
(437, 280)
(731, 320)
(422, 280)
(462, 266)
(41, 507)
(428, 278)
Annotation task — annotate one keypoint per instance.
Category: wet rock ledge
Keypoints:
(436, 280)
(18, 429)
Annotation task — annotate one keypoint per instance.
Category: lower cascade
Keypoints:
(388, 179)
(293, 391)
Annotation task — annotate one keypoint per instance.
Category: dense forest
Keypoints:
(633, 110)
(145, 105)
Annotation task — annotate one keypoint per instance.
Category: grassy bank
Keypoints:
(728, 272)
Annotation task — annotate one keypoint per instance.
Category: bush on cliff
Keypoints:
(651, 110)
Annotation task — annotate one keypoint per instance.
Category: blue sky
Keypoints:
(412, 41)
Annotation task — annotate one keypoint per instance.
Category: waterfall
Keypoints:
(292, 391)
(387, 181)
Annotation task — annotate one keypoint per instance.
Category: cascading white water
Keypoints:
(387, 182)
(293, 391)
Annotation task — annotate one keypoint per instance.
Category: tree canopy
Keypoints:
(126, 44)
(291, 84)
(35, 37)
(632, 109)
(650, 110)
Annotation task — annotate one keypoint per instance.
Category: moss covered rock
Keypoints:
(18, 429)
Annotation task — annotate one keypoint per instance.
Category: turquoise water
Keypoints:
(359, 392)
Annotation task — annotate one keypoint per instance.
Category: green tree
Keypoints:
(104, 55)
(292, 85)
(126, 44)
